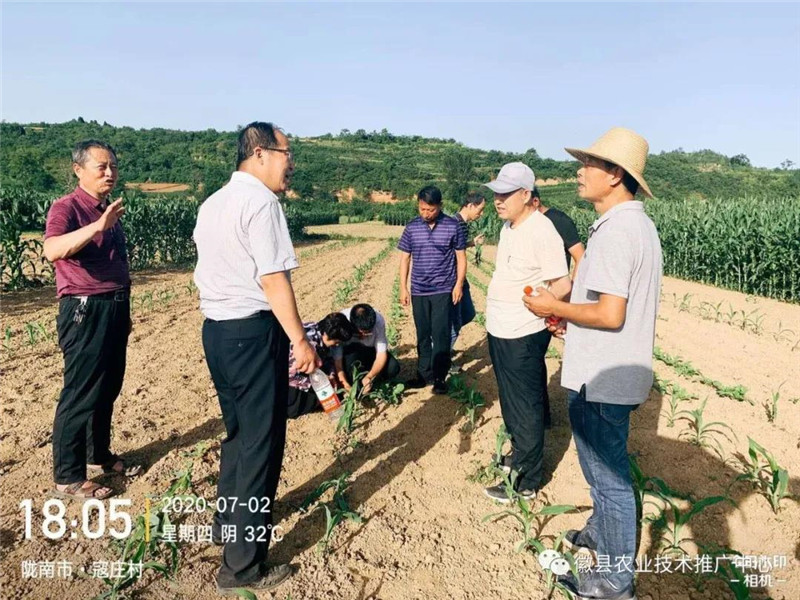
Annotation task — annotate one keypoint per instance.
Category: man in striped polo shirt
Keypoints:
(438, 247)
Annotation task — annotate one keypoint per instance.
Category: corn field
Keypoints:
(751, 245)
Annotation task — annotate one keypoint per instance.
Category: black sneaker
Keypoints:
(580, 540)
(416, 383)
(440, 387)
(593, 586)
(498, 494)
(272, 578)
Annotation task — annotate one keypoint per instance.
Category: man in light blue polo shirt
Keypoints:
(607, 366)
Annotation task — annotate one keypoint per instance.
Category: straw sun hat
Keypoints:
(622, 147)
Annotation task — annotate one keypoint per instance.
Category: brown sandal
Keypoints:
(77, 491)
(107, 468)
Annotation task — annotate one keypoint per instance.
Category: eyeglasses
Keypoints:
(285, 151)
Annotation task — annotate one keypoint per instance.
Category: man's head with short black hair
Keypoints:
(336, 328)
(255, 135)
(363, 318)
(430, 194)
(429, 203)
(472, 206)
(263, 152)
(81, 150)
(95, 165)
(473, 198)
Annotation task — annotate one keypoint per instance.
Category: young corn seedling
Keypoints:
(388, 393)
(469, 399)
(702, 433)
(645, 488)
(725, 569)
(486, 474)
(148, 543)
(677, 394)
(530, 521)
(766, 475)
(350, 404)
(8, 346)
(771, 405)
(336, 511)
(673, 538)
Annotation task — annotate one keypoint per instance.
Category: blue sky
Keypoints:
(494, 76)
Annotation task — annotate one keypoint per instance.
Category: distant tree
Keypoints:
(740, 160)
(787, 164)
(459, 170)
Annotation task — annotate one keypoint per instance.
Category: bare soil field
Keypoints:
(422, 535)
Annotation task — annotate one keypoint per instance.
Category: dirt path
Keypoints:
(422, 535)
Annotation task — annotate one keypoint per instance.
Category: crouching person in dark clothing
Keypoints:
(329, 333)
(368, 349)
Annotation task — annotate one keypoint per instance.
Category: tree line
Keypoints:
(36, 157)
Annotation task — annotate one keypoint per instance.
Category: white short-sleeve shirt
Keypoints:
(241, 234)
(529, 254)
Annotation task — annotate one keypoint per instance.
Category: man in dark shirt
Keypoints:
(472, 207)
(437, 245)
(573, 248)
(85, 241)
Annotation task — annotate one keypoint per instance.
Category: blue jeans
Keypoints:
(461, 314)
(601, 437)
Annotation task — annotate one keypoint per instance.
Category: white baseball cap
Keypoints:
(512, 177)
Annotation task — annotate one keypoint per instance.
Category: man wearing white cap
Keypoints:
(607, 367)
(530, 254)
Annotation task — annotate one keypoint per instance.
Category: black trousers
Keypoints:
(432, 318)
(519, 366)
(249, 364)
(365, 356)
(93, 336)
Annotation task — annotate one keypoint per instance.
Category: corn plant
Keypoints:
(350, 404)
(650, 492)
(396, 315)
(530, 521)
(771, 405)
(468, 398)
(388, 393)
(676, 395)
(725, 570)
(487, 473)
(702, 433)
(147, 543)
(336, 510)
(8, 346)
(672, 521)
(766, 475)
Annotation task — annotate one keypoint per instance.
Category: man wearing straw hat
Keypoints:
(607, 367)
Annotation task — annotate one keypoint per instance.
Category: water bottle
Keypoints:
(326, 395)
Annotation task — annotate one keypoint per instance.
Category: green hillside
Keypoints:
(36, 156)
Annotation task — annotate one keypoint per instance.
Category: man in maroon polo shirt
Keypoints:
(84, 240)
